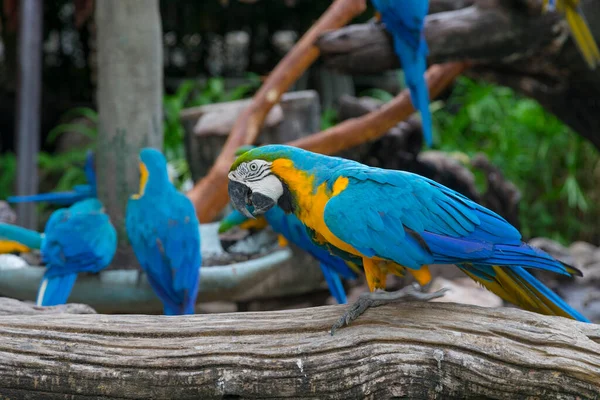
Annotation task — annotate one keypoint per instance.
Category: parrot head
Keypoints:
(87, 205)
(153, 171)
(252, 181)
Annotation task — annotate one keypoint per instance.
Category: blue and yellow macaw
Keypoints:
(395, 217)
(77, 239)
(79, 192)
(164, 232)
(405, 20)
(579, 27)
(291, 229)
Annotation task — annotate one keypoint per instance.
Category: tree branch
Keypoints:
(435, 350)
(355, 131)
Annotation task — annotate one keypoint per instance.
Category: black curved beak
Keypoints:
(239, 194)
(261, 203)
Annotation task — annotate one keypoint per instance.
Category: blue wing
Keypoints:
(75, 240)
(415, 221)
(78, 242)
(167, 245)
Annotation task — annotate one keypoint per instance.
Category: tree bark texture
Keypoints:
(414, 350)
(29, 100)
(10, 306)
(509, 42)
(130, 84)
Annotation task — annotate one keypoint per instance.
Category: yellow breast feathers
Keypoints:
(312, 202)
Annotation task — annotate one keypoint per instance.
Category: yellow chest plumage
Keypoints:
(312, 202)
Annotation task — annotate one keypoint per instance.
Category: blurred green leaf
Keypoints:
(555, 169)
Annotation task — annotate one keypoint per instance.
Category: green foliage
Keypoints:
(329, 118)
(379, 94)
(8, 166)
(191, 94)
(556, 170)
(66, 168)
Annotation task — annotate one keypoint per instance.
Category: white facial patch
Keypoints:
(256, 174)
(270, 186)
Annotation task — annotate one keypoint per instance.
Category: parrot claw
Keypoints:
(380, 297)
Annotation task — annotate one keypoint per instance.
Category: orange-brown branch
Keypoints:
(343, 136)
(355, 131)
(207, 195)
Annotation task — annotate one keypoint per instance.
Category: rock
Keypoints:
(585, 298)
(578, 249)
(465, 291)
(591, 273)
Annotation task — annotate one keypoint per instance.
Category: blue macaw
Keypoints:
(579, 28)
(288, 226)
(398, 217)
(77, 239)
(164, 232)
(79, 192)
(404, 19)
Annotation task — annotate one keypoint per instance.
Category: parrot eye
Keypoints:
(253, 167)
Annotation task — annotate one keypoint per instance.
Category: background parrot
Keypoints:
(404, 20)
(164, 231)
(293, 230)
(79, 192)
(77, 239)
(579, 28)
(388, 215)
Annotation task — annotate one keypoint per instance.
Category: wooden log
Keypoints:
(10, 306)
(414, 350)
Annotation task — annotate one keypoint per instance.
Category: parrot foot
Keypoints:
(380, 297)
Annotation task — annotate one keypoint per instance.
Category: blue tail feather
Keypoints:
(548, 294)
(59, 198)
(55, 290)
(335, 284)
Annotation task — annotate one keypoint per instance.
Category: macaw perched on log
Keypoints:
(291, 229)
(77, 239)
(164, 232)
(394, 216)
(404, 20)
(79, 192)
(579, 27)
